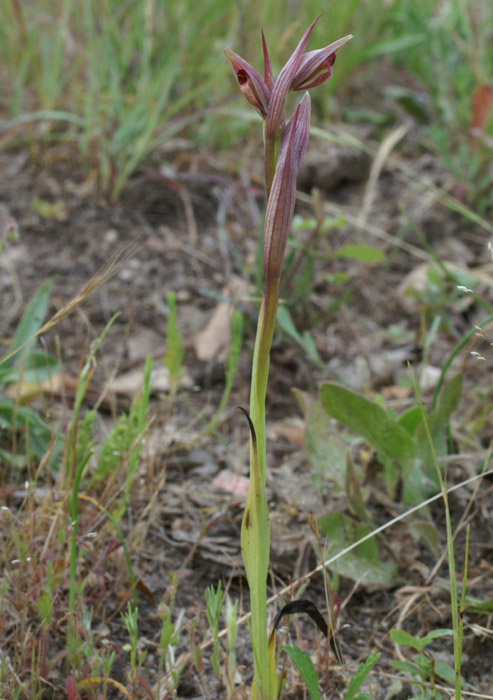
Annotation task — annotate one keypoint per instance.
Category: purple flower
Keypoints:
(302, 71)
(285, 144)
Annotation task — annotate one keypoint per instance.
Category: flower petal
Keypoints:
(282, 86)
(250, 82)
(316, 66)
(280, 206)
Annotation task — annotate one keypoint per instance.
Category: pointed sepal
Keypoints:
(316, 66)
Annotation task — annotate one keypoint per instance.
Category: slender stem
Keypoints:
(255, 526)
(260, 369)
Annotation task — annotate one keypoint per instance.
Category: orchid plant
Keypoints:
(284, 147)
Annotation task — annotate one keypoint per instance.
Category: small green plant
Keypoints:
(130, 620)
(307, 670)
(167, 630)
(284, 147)
(231, 615)
(214, 604)
(424, 666)
(22, 374)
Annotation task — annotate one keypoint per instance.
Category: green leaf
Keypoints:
(42, 366)
(479, 606)
(30, 323)
(423, 479)
(410, 419)
(305, 341)
(447, 673)
(364, 253)
(362, 563)
(371, 422)
(325, 448)
(405, 639)
(360, 675)
(306, 668)
(449, 399)
(406, 667)
(435, 634)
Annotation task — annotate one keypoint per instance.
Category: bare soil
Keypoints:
(196, 228)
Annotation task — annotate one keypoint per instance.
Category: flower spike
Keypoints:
(250, 82)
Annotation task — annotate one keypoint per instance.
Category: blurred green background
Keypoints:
(124, 79)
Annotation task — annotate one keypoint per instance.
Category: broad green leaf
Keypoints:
(306, 668)
(364, 253)
(449, 399)
(311, 349)
(420, 483)
(325, 448)
(360, 675)
(353, 491)
(36, 434)
(447, 673)
(410, 419)
(423, 480)
(406, 666)
(434, 634)
(405, 639)
(361, 564)
(479, 606)
(30, 323)
(371, 422)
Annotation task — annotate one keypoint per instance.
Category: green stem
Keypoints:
(255, 525)
(260, 369)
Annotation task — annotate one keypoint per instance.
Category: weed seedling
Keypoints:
(130, 620)
(423, 666)
(214, 604)
(231, 614)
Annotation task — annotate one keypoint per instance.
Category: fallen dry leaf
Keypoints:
(232, 483)
(130, 383)
(291, 430)
(212, 342)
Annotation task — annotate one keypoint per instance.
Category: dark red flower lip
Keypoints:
(250, 82)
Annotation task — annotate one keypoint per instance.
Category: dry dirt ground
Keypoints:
(196, 225)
